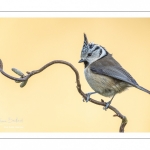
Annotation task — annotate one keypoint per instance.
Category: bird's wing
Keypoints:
(113, 71)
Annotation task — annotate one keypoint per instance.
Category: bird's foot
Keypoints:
(88, 96)
(107, 105)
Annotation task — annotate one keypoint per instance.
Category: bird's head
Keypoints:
(91, 52)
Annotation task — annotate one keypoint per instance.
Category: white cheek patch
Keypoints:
(96, 54)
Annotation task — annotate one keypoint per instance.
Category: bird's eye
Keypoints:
(89, 54)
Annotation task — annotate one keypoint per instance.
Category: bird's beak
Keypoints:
(80, 61)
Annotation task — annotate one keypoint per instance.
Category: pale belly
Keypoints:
(104, 85)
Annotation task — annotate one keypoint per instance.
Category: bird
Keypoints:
(103, 73)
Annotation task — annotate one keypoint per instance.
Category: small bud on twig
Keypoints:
(17, 72)
(23, 83)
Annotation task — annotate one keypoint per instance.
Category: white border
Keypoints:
(74, 14)
(74, 5)
(54, 5)
(64, 135)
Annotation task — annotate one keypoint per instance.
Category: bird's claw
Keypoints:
(87, 97)
(107, 105)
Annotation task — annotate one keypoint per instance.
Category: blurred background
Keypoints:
(50, 101)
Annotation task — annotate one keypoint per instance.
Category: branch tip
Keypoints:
(1, 65)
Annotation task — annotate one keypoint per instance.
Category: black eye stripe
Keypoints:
(96, 48)
(100, 52)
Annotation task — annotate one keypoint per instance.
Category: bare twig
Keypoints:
(102, 103)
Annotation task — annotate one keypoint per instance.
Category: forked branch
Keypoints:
(24, 78)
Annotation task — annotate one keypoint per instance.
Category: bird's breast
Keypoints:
(104, 85)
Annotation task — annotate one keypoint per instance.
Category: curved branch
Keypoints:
(102, 103)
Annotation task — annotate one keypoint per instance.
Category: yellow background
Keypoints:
(50, 102)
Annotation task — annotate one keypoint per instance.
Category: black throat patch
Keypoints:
(86, 64)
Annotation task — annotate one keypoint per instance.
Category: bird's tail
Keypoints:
(143, 89)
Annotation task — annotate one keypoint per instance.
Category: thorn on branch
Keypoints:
(102, 100)
(28, 72)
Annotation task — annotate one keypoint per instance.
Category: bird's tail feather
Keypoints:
(143, 89)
